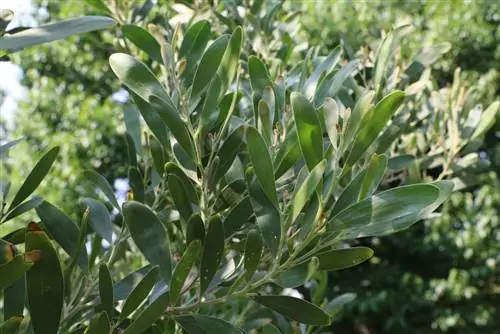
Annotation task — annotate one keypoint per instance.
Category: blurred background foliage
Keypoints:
(439, 276)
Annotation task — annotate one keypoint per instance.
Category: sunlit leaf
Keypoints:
(295, 309)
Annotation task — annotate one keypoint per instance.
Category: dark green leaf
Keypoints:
(99, 218)
(179, 195)
(124, 287)
(172, 168)
(298, 275)
(253, 252)
(11, 325)
(99, 324)
(288, 154)
(36, 176)
(213, 252)
(308, 128)
(147, 317)
(228, 151)
(373, 175)
(139, 293)
(182, 269)
(336, 304)
(100, 182)
(64, 231)
(326, 66)
(158, 154)
(238, 216)
(270, 329)
(22, 208)
(307, 188)
(14, 298)
(192, 47)
(4, 148)
(44, 282)
(209, 112)
(259, 76)
(230, 59)
(143, 40)
(195, 229)
(295, 309)
(333, 82)
(106, 290)
(153, 120)
(133, 125)
(149, 236)
(13, 270)
(54, 31)
(203, 324)
(350, 194)
(136, 184)
(343, 258)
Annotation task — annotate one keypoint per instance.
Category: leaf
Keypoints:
(99, 324)
(143, 40)
(262, 164)
(172, 168)
(237, 216)
(147, 317)
(213, 252)
(373, 175)
(386, 210)
(228, 151)
(192, 47)
(295, 309)
(259, 75)
(362, 108)
(133, 126)
(13, 270)
(44, 282)
(270, 329)
(332, 83)
(209, 112)
(487, 120)
(179, 195)
(373, 123)
(158, 154)
(336, 304)
(106, 289)
(14, 297)
(99, 219)
(229, 62)
(288, 154)
(326, 66)
(149, 236)
(400, 161)
(100, 182)
(182, 269)
(35, 177)
(23, 208)
(208, 67)
(343, 258)
(297, 275)
(125, 286)
(153, 120)
(11, 325)
(350, 194)
(6, 16)
(4, 148)
(139, 293)
(306, 189)
(195, 229)
(253, 252)
(308, 130)
(203, 324)
(54, 31)
(331, 115)
(64, 231)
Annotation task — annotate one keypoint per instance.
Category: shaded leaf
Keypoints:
(182, 269)
(253, 252)
(336, 304)
(343, 258)
(139, 293)
(149, 315)
(99, 324)
(23, 208)
(288, 154)
(195, 229)
(106, 290)
(179, 195)
(13, 270)
(99, 219)
(307, 188)
(143, 40)
(203, 324)
(373, 175)
(11, 325)
(100, 182)
(213, 252)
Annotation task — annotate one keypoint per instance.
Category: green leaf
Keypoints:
(124, 287)
(179, 195)
(229, 62)
(100, 182)
(131, 150)
(182, 269)
(98, 5)
(343, 258)
(213, 252)
(147, 317)
(13, 270)
(54, 31)
(259, 76)
(64, 231)
(4, 148)
(332, 83)
(385, 50)
(34, 178)
(350, 194)
(228, 151)
(487, 120)
(137, 77)
(192, 47)
(99, 219)
(288, 154)
(136, 184)
(203, 324)
(153, 120)
(373, 176)
(133, 125)
(373, 123)
(11, 325)
(209, 112)
(237, 216)
(14, 297)
(143, 40)
(336, 304)
(44, 282)
(295, 309)
(195, 229)
(262, 164)
(106, 290)
(99, 324)
(158, 154)
(385, 211)
(307, 188)
(298, 275)
(331, 115)
(362, 108)
(253, 252)
(308, 128)
(270, 329)
(149, 236)
(172, 168)
(326, 66)
(23, 208)
(208, 67)
(6, 16)
(400, 161)
(139, 293)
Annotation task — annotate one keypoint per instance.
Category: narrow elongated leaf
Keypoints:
(362, 108)
(209, 112)
(336, 304)
(99, 324)
(179, 195)
(208, 67)
(253, 252)
(54, 31)
(34, 178)
(7, 146)
(99, 219)
(373, 123)
(195, 229)
(147, 317)
(11, 325)
(307, 188)
(64, 231)
(143, 40)
(23, 207)
(139, 293)
(182, 269)
(308, 130)
(13, 270)
(213, 251)
(106, 289)
(295, 309)
(386, 210)
(333, 82)
(259, 76)
(230, 59)
(298, 275)
(100, 182)
(373, 176)
(288, 154)
(228, 151)
(14, 296)
(153, 120)
(192, 47)
(203, 324)
(125, 286)
(44, 282)
(172, 168)
(350, 194)
(149, 236)
(487, 120)
(339, 259)
(133, 125)
(262, 164)
(158, 154)
(332, 120)
(326, 66)
(238, 216)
